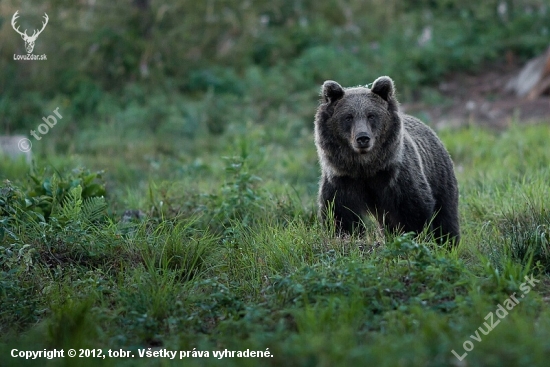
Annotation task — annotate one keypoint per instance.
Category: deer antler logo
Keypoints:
(29, 40)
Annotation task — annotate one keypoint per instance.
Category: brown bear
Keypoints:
(376, 159)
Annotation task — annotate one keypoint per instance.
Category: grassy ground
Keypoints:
(229, 256)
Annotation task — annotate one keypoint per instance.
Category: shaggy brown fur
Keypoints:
(376, 159)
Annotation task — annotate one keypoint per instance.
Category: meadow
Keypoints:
(226, 253)
(172, 208)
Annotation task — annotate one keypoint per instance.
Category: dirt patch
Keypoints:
(482, 99)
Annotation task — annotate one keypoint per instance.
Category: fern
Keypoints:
(75, 209)
(72, 205)
(94, 208)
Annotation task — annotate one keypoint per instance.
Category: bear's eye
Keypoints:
(371, 118)
(348, 118)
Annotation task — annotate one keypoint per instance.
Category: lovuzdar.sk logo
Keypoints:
(29, 40)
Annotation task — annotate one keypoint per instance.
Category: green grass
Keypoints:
(230, 256)
(206, 138)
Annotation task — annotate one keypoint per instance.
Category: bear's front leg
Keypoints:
(410, 207)
(341, 199)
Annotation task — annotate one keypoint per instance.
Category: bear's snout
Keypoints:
(362, 140)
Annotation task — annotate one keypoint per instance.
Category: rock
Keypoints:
(534, 79)
(15, 146)
(133, 215)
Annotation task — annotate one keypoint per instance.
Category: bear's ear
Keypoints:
(384, 87)
(332, 91)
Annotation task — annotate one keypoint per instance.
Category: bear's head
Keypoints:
(357, 125)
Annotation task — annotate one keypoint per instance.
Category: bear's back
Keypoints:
(438, 166)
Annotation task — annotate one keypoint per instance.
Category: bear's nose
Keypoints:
(362, 139)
